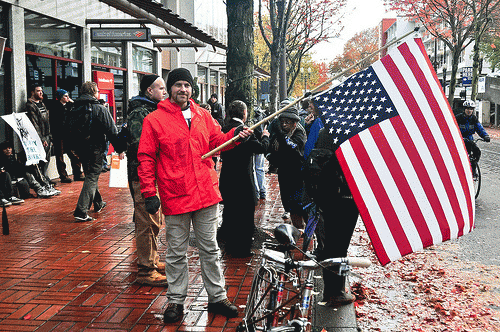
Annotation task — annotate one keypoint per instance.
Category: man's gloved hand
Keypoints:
(152, 204)
(486, 138)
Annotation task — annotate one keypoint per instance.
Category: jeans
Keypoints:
(92, 166)
(147, 227)
(204, 223)
(260, 175)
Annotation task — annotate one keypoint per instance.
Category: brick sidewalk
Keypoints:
(58, 275)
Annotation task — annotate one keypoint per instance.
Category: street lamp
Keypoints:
(305, 75)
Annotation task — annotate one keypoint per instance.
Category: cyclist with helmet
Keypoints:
(469, 124)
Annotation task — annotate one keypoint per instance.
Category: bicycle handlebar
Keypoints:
(279, 257)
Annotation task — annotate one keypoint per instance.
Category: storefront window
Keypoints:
(5, 99)
(202, 82)
(4, 19)
(106, 55)
(68, 77)
(51, 37)
(143, 59)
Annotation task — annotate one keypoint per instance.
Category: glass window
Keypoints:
(49, 36)
(6, 132)
(143, 59)
(4, 21)
(106, 55)
(68, 77)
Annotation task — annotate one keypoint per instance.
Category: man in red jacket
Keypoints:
(174, 138)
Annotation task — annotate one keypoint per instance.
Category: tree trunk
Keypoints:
(273, 81)
(453, 78)
(240, 51)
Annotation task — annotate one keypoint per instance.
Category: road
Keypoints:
(482, 245)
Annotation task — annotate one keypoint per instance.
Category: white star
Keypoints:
(334, 100)
(349, 116)
(350, 101)
(374, 99)
(342, 101)
(337, 92)
(379, 107)
(361, 125)
(330, 130)
(366, 99)
(366, 116)
(325, 99)
(335, 140)
(335, 121)
(362, 108)
(358, 116)
(343, 123)
(383, 99)
(370, 107)
(327, 121)
(369, 90)
(352, 124)
(365, 83)
(374, 116)
(361, 75)
(347, 131)
(389, 110)
(338, 131)
(361, 91)
(377, 91)
(346, 92)
(349, 84)
(373, 82)
(358, 83)
(369, 75)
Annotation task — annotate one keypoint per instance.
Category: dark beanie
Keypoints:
(60, 93)
(178, 74)
(146, 82)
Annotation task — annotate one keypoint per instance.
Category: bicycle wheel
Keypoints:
(477, 180)
(261, 301)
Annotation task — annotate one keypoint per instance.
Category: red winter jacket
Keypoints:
(170, 155)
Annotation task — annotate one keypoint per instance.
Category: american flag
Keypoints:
(401, 152)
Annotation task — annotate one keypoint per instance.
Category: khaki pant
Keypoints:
(147, 227)
(204, 223)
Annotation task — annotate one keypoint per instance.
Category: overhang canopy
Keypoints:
(166, 15)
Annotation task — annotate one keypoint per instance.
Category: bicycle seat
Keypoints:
(286, 234)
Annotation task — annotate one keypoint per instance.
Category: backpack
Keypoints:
(78, 124)
(315, 170)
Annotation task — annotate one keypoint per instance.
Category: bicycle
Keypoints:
(281, 294)
(474, 162)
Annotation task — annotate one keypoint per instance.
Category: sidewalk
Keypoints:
(58, 275)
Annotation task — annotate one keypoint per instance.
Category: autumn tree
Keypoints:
(356, 49)
(454, 22)
(295, 26)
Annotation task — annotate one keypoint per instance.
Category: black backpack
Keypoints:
(78, 124)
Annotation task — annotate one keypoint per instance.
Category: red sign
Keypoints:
(104, 80)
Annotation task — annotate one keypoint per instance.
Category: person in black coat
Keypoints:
(328, 188)
(237, 185)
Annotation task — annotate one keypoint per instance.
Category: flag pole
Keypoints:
(316, 89)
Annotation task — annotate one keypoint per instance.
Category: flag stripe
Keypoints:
(382, 241)
(445, 130)
(403, 198)
(447, 122)
(429, 138)
(371, 173)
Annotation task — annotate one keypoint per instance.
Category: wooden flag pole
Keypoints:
(316, 89)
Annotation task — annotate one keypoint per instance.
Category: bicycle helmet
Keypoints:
(469, 104)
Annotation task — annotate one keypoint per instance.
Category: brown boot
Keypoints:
(339, 300)
(152, 279)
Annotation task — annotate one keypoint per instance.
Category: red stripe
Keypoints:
(363, 211)
(443, 125)
(383, 200)
(422, 174)
(404, 188)
(413, 106)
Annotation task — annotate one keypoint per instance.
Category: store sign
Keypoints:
(120, 34)
(481, 84)
(105, 80)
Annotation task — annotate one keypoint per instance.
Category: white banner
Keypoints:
(28, 136)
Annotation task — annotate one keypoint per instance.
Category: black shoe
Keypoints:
(174, 313)
(224, 308)
(99, 206)
(79, 178)
(66, 180)
(82, 217)
(339, 300)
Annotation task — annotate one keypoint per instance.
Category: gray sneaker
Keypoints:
(53, 191)
(4, 202)
(43, 193)
(16, 201)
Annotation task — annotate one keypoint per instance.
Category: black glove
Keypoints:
(486, 138)
(152, 204)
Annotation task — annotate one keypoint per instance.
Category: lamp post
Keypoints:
(305, 75)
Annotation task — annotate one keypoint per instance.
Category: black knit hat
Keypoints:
(178, 74)
(146, 82)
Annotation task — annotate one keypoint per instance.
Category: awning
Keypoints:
(180, 28)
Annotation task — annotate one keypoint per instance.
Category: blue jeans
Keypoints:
(260, 175)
